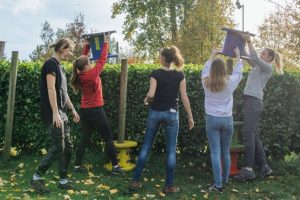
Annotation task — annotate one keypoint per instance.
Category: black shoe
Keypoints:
(39, 187)
(66, 186)
(245, 175)
(265, 171)
(117, 170)
(213, 187)
(81, 170)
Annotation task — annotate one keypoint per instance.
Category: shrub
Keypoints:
(280, 131)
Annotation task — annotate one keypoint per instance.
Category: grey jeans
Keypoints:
(60, 150)
(254, 151)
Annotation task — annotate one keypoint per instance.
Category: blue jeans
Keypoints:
(219, 131)
(170, 121)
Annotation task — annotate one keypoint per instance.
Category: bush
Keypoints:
(280, 131)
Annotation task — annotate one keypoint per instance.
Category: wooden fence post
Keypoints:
(10, 105)
(123, 97)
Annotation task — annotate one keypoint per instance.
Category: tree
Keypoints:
(202, 29)
(153, 24)
(41, 51)
(73, 31)
(281, 31)
(150, 25)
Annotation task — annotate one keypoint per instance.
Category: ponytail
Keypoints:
(78, 65)
(275, 56)
(278, 63)
(173, 55)
(75, 82)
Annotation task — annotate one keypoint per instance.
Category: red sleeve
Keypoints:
(86, 49)
(103, 57)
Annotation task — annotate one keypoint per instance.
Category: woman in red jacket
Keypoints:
(85, 78)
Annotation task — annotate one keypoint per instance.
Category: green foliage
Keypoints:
(279, 125)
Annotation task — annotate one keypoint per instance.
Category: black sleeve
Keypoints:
(181, 76)
(50, 67)
(154, 74)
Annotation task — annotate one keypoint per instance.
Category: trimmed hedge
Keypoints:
(280, 127)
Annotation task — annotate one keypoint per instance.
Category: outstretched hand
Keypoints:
(237, 52)
(106, 37)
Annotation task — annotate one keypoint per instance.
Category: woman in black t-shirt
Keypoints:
(54, 103)
(163, 95)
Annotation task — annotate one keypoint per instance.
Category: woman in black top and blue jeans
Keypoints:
(165, 84)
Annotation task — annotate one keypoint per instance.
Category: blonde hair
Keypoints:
(62, 44)
(172, 55)
(277, 58)
(78, 65)
(217, 80)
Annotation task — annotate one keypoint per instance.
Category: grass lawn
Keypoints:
(191, 178)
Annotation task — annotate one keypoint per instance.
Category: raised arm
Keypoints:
(237, 73)
(206, 69)
(254, 59)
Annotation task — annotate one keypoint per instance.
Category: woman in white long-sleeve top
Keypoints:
(258, 77)
(218, 88)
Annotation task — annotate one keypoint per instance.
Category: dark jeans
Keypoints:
(60, 149)
(95, 119)
(170, 120)
(254, 151)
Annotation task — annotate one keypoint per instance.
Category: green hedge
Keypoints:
(280, 127)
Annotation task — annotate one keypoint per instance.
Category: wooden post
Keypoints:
(10, 106)
(2, 45)
(123, 97)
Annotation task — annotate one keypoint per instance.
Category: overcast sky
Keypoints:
(21, 20)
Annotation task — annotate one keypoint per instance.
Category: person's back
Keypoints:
(167, 91)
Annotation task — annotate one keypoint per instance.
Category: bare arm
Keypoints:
(186, 103)
(52, 99)
(70, 106)
(151, 92)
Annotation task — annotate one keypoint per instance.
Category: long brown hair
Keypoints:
(78, 65)
(277, 58)
(62, 44)
(218, 77)
(172, 55)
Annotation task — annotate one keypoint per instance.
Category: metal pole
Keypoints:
(243, 22)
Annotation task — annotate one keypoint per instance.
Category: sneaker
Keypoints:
(39, 187)
(117, 170)
(81, 170)
(245, 175)
(213, 187)
(170, 190)
(66, 186)
(135, 185)
(265, 171)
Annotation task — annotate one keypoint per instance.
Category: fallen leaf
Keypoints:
(150, 195)
(158, 186)
(88, 182)
(256, 190)
(44, 151)
(205, 196)
(13, 152)
(70, 192)
(103, 187)
(113, 191)
(135, 196)
(67, 197)
(234, 190)
(146, 180)
(21, 165)
(84, 192)
(162, 194)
